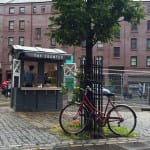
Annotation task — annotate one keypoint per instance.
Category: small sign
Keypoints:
(70, 61)
(69, 83)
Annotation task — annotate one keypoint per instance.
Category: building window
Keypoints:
(133, 61)
(21, 41)
(148, 25)
(21, 25)
(11, 10)
(133, 43)
(116, 51)
(148, 9)
(99, 44)
(37, 33)
(11, 25)
(34, 9)
(83, 44)
(133, 27)
(10, 41)
(148, 61)
(37, 45)
(8, 74)
(43, 9)
(148, 43)
(21, 10)
(53, 41)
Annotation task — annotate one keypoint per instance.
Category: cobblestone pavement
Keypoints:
(16, 132)
(30, 130)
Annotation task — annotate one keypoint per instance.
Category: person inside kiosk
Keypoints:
(28, 77)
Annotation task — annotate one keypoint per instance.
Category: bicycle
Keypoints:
(120, 119)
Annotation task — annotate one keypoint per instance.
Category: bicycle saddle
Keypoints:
(107, 92)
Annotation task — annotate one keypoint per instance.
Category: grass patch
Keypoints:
(56, 130)
(122, 130)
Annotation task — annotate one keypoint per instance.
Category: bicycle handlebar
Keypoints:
(88, 88)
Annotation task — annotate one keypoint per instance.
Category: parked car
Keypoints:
(6, 88)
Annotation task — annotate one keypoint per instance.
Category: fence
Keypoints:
(133, 87)
(93, 76)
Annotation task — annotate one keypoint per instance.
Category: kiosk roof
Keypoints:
(37, 49)
(26, 52)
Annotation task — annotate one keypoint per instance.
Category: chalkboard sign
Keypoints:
(69, 83)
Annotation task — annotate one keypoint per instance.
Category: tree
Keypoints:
(75, 21)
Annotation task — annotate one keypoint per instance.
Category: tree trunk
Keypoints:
(88, 75)
(89, 61)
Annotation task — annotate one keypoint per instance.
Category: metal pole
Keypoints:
(122, 80)
(148, 95)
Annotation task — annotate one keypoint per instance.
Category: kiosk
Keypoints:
(43, 96)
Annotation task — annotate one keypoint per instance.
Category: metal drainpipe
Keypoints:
(31, 25)
(74, 54)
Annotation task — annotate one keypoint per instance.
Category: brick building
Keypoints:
(126, 60)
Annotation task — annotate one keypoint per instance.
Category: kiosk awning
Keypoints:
(19, 51)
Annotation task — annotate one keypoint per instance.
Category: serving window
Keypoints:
(35, 70)
(50, 74)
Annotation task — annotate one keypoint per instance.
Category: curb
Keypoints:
(145, 109)
(100, 143)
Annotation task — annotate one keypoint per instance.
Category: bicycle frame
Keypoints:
(99, 115)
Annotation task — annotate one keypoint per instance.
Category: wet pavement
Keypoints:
(30, 130)
(16, 131)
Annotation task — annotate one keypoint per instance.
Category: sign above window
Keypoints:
(20, 52)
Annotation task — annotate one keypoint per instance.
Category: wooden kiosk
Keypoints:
(42, 96)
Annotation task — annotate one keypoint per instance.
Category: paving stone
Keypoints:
(16, 132)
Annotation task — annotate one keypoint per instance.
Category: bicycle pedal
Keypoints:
(113, 102)
(101, 124)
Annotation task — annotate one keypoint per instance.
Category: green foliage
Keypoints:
(76, 90)
(77, 20)
(64, 90)
(52, 80)
(76, 94)
(121, 130)
(56, 130)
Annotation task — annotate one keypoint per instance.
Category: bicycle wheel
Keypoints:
(121, 120)
(72, 120)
